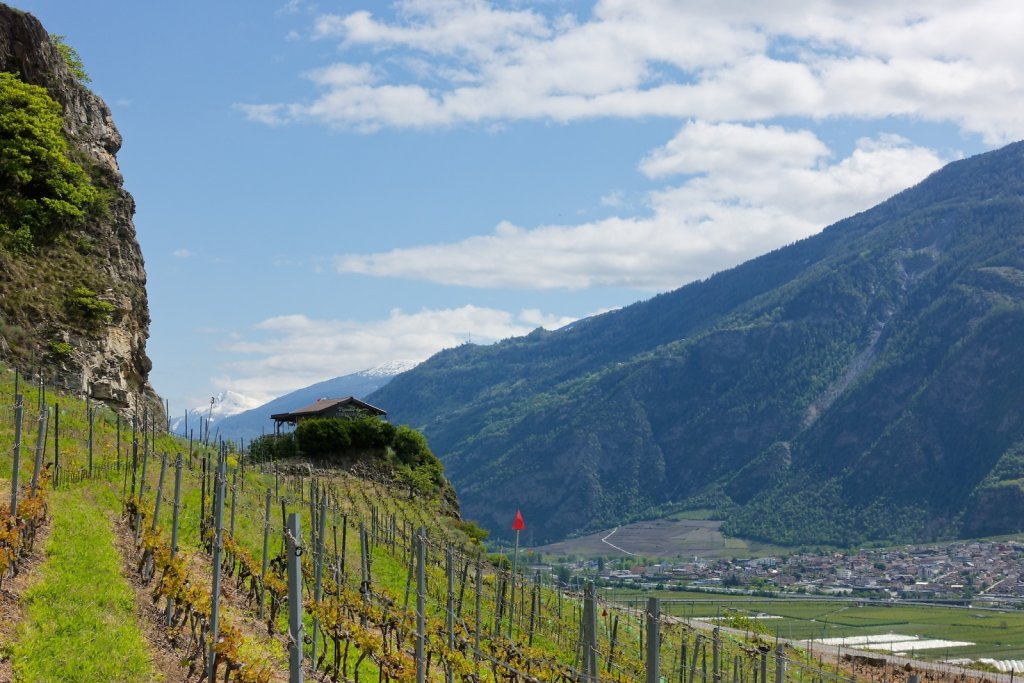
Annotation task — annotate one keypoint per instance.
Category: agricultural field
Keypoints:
(676, 536)
(994, 634)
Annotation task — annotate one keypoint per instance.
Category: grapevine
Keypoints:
(18, 533)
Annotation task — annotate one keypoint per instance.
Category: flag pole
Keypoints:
(517, 526)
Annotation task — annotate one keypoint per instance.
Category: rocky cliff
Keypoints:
(75, 305)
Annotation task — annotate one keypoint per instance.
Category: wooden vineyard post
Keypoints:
(682, 659)
(534, 596)
(693, 660)
(589, 641)
(293, 534)
(142, 486)
(89, 413)
(653, 639)
(364, 556)
(337, 557)
(145, 449)
(266, 558)
(159, 491)
(318, 573)
(614, 641)
(716, 674)
(312, 513)
(234, 499)
(499, 606)
(202, 503)
(421, 590)
(220, 490)
(344, 542)
(408, 581)
(462, 589)
(19, 414)
(40, 445)
(178, 464)
(56, 445)
(135, 454)
(450, 609)
(479, 571)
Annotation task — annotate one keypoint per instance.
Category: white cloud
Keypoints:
(290, 7)
(614, 199)
(288, 352)
(751, 189)
(939, 61)
(343, 75)
(701, 147)
(181, 253)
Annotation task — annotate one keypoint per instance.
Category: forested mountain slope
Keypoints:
(864, 383)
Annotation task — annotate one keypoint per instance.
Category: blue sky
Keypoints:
(322, 187)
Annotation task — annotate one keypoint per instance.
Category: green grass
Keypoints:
(996, 634)
(80, 621)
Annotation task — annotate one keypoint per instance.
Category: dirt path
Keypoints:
(169, 663)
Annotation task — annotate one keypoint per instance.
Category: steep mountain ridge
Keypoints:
(98, 264)
(830, 391)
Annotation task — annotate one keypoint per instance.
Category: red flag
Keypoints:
(518, 525)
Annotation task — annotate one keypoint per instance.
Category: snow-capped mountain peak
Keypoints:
(390, 368)
(225, 404)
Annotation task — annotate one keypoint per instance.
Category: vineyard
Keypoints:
(273, 571)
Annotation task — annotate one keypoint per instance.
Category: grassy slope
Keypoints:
(80, 623)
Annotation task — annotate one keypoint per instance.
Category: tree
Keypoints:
(71, 58)
(41, 189)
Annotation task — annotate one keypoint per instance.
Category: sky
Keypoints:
(322, 187)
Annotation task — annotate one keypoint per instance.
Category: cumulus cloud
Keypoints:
(284, 353)
(748, 190)
(753, 81)
(940, 61)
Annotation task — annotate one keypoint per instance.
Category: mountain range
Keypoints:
(864, 384)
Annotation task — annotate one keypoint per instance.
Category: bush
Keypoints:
(500, 562)
(85, 303)
(474, 532)
(41, 189)
(273, 447)
(410, 446)
(370, 433)
(320, 436)
(71, 58)
(61, 348)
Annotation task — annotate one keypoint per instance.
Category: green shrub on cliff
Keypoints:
(71, 58)
(41, 190)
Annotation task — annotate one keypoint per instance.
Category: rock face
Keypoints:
(39, 326)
